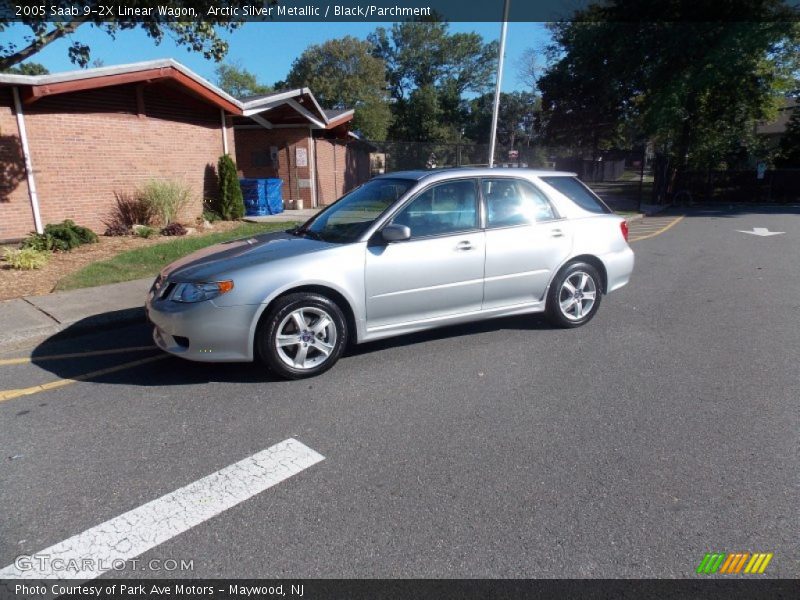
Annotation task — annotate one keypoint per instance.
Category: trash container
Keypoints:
(262, 197)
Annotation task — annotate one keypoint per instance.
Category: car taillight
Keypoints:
(624, 228)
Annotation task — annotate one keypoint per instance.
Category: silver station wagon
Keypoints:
(404, 252)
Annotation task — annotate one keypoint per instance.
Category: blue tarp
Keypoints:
(262, 196)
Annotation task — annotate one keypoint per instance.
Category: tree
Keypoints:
(28, 68)
(238, 81)
(231, 202)
(343, 73)
(789, 149)
(695, 87)
(528, 68)
(515, 119)
(198, 29)
(423, 59)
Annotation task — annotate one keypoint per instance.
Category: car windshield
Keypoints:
(349, 217)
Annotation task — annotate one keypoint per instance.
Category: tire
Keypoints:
(563, 313)
(293, 352)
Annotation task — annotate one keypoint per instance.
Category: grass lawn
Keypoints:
(144, 262)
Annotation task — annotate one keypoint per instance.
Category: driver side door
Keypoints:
(436, 273)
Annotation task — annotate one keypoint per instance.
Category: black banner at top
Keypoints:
(282, 11)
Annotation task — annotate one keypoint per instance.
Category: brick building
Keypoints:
(70, 142)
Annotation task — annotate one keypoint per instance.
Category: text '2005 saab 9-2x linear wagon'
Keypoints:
(404, 252)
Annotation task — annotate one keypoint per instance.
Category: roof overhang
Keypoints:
(292, 108)
(35, 87)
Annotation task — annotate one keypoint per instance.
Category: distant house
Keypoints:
(288, 135)
(774, 130)
(70, 141)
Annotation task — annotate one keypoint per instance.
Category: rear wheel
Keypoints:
(303, 335)
(574, 295)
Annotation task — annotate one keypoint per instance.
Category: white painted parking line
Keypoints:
(99, 549)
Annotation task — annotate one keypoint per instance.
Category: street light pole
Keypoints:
(496, 108)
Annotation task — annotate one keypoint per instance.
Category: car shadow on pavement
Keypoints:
(125, 355)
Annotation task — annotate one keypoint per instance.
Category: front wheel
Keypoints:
(574, 295)
(303, 335)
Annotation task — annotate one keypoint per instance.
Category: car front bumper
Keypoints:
(203, 331)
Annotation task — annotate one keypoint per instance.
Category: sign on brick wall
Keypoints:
(301, 155)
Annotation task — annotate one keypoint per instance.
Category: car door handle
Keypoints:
(465, 245)
(556, 233)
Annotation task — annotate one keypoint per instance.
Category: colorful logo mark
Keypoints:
(732, 563)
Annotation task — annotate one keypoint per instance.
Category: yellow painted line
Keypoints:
(660, 231)
(53, 385)
(29, 359)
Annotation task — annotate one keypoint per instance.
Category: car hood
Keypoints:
(208, 264)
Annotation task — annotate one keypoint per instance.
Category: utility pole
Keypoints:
(500, 59)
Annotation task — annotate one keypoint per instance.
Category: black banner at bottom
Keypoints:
(399, 589)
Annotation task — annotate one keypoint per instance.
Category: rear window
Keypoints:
(573, 189)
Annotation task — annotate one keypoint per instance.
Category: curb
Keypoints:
(68, 330)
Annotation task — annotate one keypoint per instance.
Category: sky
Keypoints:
(266, 49)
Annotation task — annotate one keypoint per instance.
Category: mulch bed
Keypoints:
(15, 284)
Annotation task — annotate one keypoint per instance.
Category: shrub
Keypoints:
(174, 229)
(211, 216)
(61, 237)
(26, 258)
(231, 202)
(130, 210)
(166, 199)
(38, 241)
(117, 230)
(144, 231)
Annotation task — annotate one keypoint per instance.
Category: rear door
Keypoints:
(439, 271)
(526, 240)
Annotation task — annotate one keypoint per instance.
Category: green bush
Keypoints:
(26, 258)
(144, 231)
(61, 237)
(211, 216)
(166, 199)
(231, 202)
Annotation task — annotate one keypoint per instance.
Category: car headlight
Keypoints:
(198, 292)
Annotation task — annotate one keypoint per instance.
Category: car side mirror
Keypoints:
(395, 233)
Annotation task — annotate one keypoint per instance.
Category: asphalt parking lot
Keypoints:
(664, 429)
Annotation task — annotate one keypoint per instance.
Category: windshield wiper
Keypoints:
(300, 232)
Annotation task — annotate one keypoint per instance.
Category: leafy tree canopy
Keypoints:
(238, 81)
(200, 34)
(343, 73)
(515, 119)
(789, 149)
(693, 87)
(28, 68)
(429, 70)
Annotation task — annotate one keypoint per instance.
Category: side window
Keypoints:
(515, 202)
(444, 208)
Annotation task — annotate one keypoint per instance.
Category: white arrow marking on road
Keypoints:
(104, 546)
(761, 231)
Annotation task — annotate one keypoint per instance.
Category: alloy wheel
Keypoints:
(577, 295)
(306, 338)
